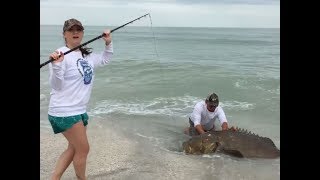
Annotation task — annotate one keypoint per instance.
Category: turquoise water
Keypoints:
(158, 74)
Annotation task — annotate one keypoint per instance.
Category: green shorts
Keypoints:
(61, 124)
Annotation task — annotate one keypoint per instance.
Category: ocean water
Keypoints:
(157, 75)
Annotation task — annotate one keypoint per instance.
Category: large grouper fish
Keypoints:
(236, 142)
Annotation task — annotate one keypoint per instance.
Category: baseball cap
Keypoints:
(213, 99)
(71, 22)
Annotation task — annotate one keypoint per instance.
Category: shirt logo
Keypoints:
(85, 70)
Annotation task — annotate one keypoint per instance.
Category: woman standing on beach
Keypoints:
(71, 79)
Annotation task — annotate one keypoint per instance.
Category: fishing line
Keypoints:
(154, 37)
(161, 69)
(155, 46)
(98, 37)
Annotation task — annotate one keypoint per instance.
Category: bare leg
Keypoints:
(77, 137)
(63, 162)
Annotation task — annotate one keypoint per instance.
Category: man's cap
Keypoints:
(213, 99)
(71, 22)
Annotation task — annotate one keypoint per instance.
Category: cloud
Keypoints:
(185, 13)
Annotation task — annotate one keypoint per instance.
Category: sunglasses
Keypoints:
(211, 106)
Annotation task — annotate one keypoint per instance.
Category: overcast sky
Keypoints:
(174, 13)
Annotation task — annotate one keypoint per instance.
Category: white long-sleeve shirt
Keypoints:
(201, 115)
(71, 81)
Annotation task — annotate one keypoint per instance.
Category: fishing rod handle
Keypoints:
(67, 52)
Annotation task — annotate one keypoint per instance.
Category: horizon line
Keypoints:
(176, 26)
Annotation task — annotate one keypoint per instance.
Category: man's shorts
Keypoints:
(61, 124)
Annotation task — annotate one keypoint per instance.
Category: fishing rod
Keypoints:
(98, 37)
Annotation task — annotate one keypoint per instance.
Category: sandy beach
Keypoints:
(114, 156)
(109, 153)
